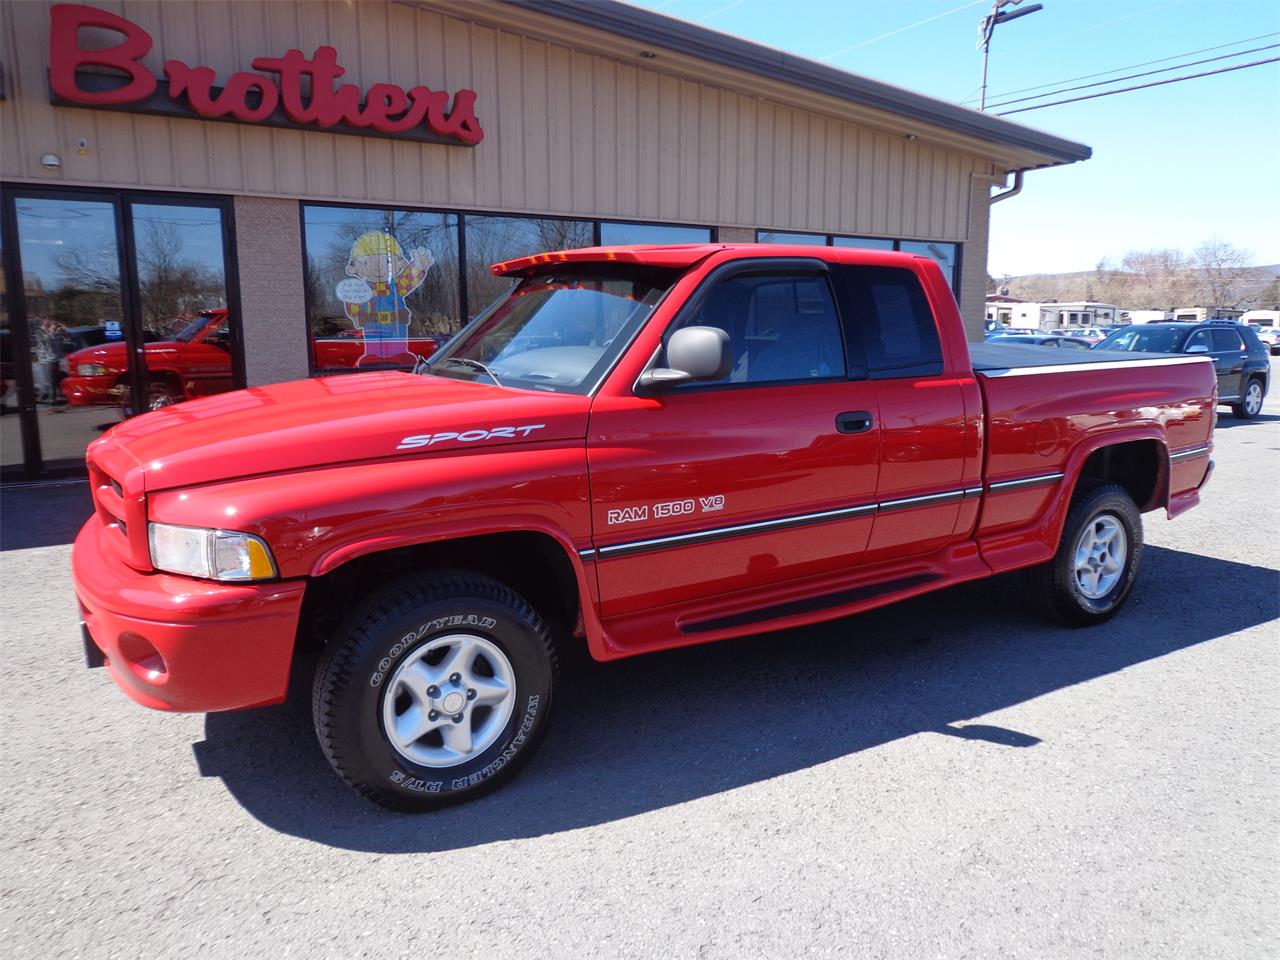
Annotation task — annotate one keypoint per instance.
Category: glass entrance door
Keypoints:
(122, 307)
(68, 299)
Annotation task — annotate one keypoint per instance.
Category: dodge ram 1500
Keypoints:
(633, 449)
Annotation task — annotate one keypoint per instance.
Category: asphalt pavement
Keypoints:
(945, 778)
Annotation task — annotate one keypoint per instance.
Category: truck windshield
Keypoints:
(558, 331)
(1144, 339)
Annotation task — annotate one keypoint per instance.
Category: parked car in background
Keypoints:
(1239, 357)
(1048, 340)
(194, 362)
(1092, 334)
(1270, 337)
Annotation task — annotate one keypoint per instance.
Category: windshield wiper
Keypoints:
(468, 362)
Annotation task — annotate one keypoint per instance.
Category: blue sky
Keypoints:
(1172, 166)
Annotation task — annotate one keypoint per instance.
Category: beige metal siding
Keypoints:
(566, 131)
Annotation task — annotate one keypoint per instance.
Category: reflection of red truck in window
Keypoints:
(195, 362)
(636, 449)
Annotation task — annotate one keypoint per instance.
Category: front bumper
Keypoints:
(91, 391)
(176, 643)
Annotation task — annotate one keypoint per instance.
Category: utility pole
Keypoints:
(988, 27)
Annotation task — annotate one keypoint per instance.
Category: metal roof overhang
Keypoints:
(623, 31)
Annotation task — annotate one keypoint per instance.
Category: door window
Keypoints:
(784, 328)
(1198, 339)
(1225, 340)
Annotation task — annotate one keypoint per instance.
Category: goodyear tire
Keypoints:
(436, 691)
(1097, 562)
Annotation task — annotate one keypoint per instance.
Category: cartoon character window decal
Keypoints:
(379, 278)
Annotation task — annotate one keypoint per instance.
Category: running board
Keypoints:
(810, 604)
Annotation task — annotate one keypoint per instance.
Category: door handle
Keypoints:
(854, 421)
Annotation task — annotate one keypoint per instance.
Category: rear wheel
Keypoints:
(436, 691)
(1097, 561)
(1250, 404)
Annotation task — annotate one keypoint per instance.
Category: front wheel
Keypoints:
(159, 396)
(1097, 562)
(437, 691)
(1250, 404)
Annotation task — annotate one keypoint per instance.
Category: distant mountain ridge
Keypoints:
(1254, 286)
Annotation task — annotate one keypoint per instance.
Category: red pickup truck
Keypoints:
(636, 448)
(196, 362)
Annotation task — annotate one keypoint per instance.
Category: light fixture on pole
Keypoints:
(988, 27)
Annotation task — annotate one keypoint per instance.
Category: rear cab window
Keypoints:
(888, 315)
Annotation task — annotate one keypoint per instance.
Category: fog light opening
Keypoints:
(143, 658)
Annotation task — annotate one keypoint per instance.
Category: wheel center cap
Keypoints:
(453, 702)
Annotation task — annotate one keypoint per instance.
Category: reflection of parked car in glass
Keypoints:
(342, 349)
(1048, 340)
(195, 363)
(1240, 358)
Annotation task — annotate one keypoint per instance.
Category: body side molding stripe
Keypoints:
(1188, 454)
(804, 519)
(1026, 482)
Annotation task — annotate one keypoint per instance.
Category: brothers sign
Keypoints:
(297, 91)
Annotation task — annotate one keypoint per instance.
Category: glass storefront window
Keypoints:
(616, 234)
(771, 236)
(382, 285)
(10, 429)
(866, 243)
(944, 254)
(491, 240)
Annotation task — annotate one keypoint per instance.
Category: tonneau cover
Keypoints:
(993, 356)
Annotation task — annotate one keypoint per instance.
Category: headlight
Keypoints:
(209, 554)
(91, 370)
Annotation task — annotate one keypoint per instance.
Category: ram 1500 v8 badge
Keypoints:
(634, 449)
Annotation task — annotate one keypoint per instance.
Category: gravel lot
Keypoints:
(945, 778)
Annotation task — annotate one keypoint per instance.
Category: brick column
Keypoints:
(269, 256)
(735, 235)
(973, 266)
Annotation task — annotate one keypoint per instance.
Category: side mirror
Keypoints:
(1197, 348)
(694, 353)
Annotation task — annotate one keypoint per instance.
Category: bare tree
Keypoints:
(1220, 267)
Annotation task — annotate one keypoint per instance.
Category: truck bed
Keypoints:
(992, 357)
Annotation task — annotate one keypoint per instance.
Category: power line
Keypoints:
(1134, 76)
(910, 26)
(1142, 86)
(1130, 66)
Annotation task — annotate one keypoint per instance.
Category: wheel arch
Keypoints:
(1136, 459)
(536, 563)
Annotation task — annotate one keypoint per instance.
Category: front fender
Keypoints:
(317, 520)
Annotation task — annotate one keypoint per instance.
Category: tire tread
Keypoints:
(363, 628)
(1048, 584)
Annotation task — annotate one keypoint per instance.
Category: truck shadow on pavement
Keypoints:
(647, 733)
(43, 514)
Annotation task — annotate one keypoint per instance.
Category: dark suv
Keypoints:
(1241, 359)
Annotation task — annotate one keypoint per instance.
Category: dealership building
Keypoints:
(191, 191)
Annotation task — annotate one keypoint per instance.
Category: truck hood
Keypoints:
(324, 421)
